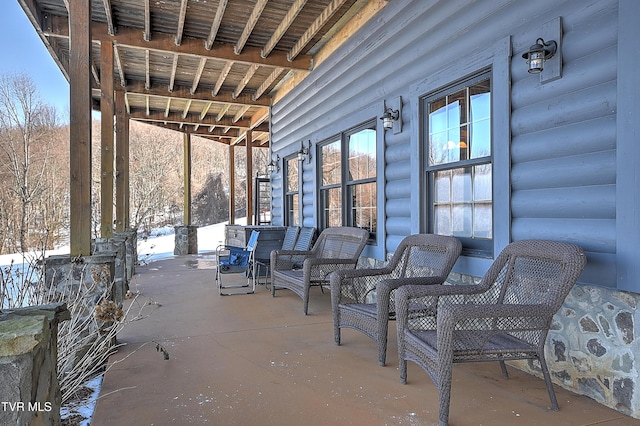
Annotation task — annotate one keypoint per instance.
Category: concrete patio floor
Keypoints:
(257, 360)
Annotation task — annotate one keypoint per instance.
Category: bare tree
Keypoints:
(26, 124)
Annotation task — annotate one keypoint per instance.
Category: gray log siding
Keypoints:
(565, 151)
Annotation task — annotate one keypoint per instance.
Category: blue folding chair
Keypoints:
(236, 260)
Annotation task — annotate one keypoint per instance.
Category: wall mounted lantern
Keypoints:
(390, 115)
(539, 53)
(305, 152)
(274, 165)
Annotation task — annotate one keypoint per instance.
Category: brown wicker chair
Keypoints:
(505, 317)
(359, 299)
(336, 248)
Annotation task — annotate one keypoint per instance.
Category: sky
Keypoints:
(24, 51)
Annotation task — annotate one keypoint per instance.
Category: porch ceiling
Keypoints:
(206, 67)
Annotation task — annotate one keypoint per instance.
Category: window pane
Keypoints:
(480, 119)
(292, 175)
(483, 204)
(293, 211)
(331, 168)
(363, 206)
(331, 201)
(362, 155)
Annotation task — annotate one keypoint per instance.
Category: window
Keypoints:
(292, 193)
(459, 165)
(348, 183)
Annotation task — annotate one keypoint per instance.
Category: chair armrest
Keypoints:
(319, 268)
(285, 259)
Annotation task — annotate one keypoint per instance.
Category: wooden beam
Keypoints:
(109, 15)
(122, 163)
(107, 112)
(181, 19)
(245, 80)
(203, 130)
(249, 165)
(222, 112)
(184, 92)
(174, 68)
(221, 78)
(194, 119)
(240, 113)
(215, 26)
(198, 75)
(185, 112)
(147, 76)
(165, 43)
(232, 185)
(268, 82)
(320, 21)
(80, 128)
(187, 179)
(250, 25)
(146, 36)
(294, 10)
(116, 55)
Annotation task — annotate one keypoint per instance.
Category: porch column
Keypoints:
(187, 179)
(122, 163)
(80, 127)
(249, 145)
(106, 137)
(232, 185)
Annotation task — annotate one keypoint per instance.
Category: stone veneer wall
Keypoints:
(186, 240)
(592, 346)
(29, 390)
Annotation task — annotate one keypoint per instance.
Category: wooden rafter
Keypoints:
(215, 26)
(245, 80)
(240, 113)
(221, 78)
(283, 27)
(251, 23)
(147, 76)
(174, 68)
(174, 117)
(196, 78)
(185, 112)
(205, 110)
(147, 21)
(326, 14)
(222, 112)
(116, 55)
(109, 14)
(268, 82)
(181, 19)
(168, 108)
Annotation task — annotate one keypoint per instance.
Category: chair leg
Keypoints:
(503, 367)
(383, 329)
(444, 393)
(547, 379)
(402, 366)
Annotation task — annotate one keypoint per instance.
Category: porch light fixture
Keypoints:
(274, 165)
(539, 53)
(305, 152)
(390, 115)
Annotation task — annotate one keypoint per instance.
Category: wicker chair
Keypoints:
(336, 248)
(359, 299)
(505, 317)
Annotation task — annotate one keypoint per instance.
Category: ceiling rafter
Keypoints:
(167, 108)
(174, 68)
(147, 76)
(251, 23)
(116, 56)
(146, 35)
(222, 112)
(109, 14)
(187, 107)
(175, 117)
(245, 80)
(283, 27)
(268, 82)
(215, 26)
(205, 110)
(196, 79)
(240, 113)
(221, 78)
(181, 19)
(326, 14)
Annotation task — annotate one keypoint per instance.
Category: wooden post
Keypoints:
(122, 163)
(106, 137)
(187, 178)
(249, 146)
(232, 185)
(80, 127)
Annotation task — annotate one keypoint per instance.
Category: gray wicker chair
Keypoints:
(505, 317)
(359, 299)
(336, 248)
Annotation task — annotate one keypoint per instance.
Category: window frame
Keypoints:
(288, 194)
(347, 185)
(477, 247)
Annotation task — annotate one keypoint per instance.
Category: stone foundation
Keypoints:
(186, 240)
(28, 365)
